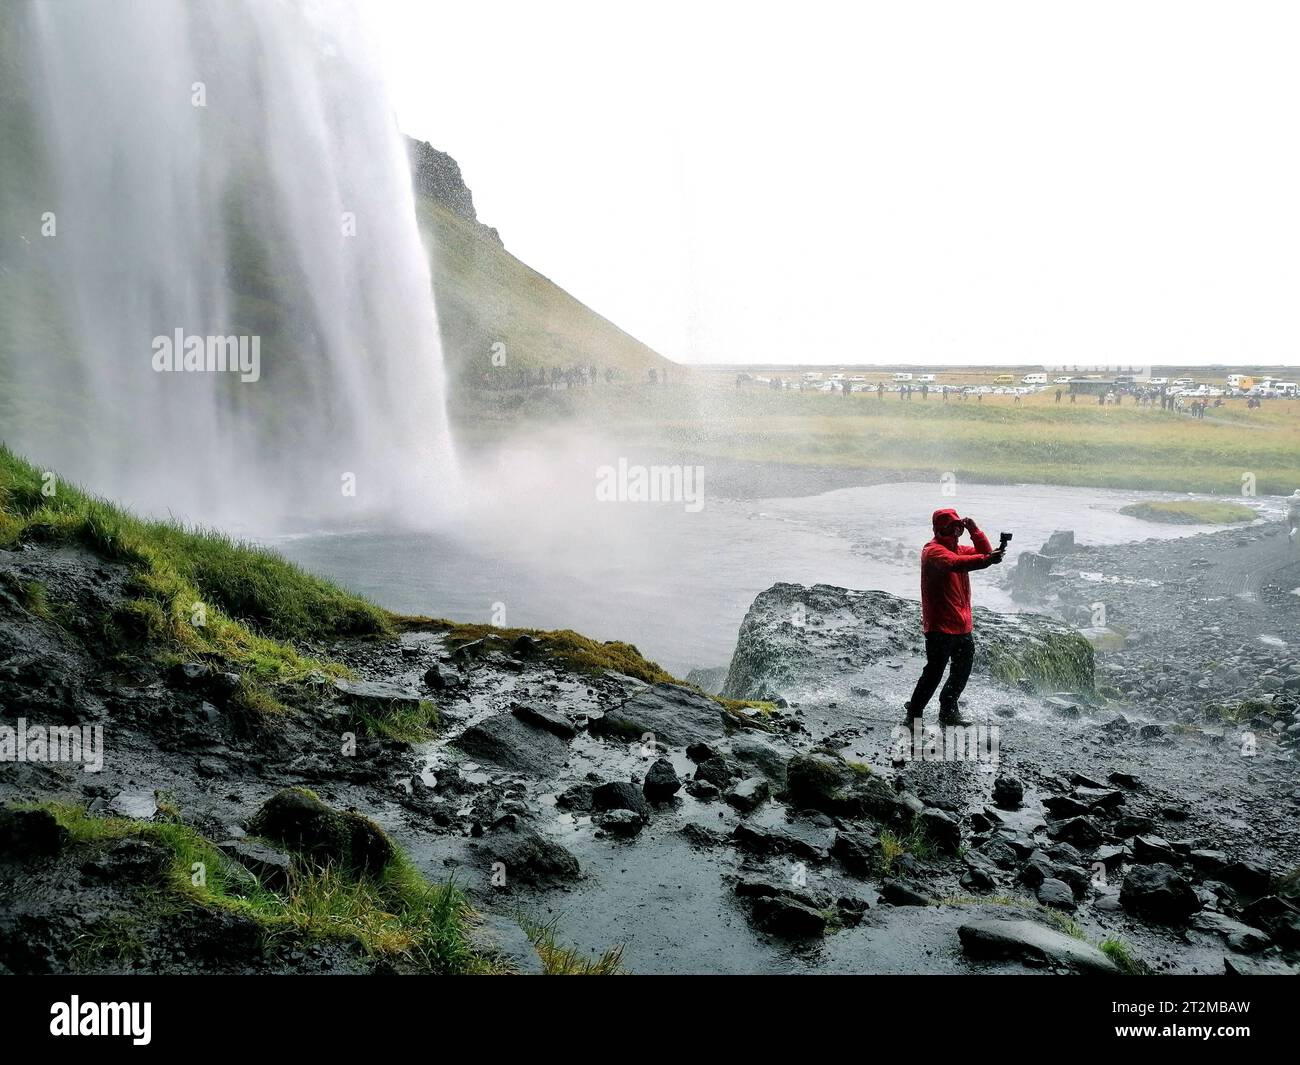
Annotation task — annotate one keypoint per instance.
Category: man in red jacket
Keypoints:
(945, 612)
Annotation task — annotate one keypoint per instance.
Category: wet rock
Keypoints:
(716, 771)
(766, 842)
(1278, 917)
(1055, 894)
(1206, 861)
(577, 798)
(625, 823)
(296, 819)
(999, 852)
(701, 837)
(1132, 825)
(1151, 849)
(271, 867)
(826, 782)
(502, 939)
(1036, 870)
(1029, 941)
(703, 790)
(1063, 807)
(508, 742)
(1239, 937)
(788, 918)
(544, 718)
(1250, 878)
(1060, 542)
(661, 781)
(763, 755)
(1099, 799)
(26, 833)
(1079, 830)
(620, 795)
(673, 715)
(377, 697)
(1008, 792)
(528, 857)
(438, 679)
(1158, 893)
(979, 878)
(701, 752)
(901, 893)
(942, 829)
(851, 910)
(1125, 780)
(858, 850)
(749, 794)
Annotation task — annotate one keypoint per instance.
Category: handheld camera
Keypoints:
(1003, 540)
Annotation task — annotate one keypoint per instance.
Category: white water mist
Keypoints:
(232, 169)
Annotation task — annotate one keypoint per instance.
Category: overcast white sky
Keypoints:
(882, 182)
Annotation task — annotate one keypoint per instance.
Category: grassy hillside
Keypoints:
(490, 302)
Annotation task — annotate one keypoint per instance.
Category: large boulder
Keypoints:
(822, 780)
(298, 820)
(526, 856)
(512, 743)
(1029, 941)
(620, 795)
(1158, 892)
(668, 714)
(794, 636)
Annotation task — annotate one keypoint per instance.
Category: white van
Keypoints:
(902, 377)
(1286, 388)
(1034, 379)
(927, 377)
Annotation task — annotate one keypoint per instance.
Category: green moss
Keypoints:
(393, 914)
(1057, 661)
(192, 592)
(1190, 512)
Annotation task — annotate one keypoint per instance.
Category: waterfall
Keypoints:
(225, 179)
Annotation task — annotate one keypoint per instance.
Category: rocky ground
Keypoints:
(798, 835)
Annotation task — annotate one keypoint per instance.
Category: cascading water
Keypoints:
(224, 173)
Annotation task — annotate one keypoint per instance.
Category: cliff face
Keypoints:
(437, 176)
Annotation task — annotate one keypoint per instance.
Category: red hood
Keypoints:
(940, 520)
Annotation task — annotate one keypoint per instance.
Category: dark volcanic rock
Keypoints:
(901, 893)
(748, 794)
(858, 850)
(661, 781)
(30, 832)
(942, 829)
(620, 822)
(667, 714)
(1159, 893)
(1030, 941)
(1008, 792)
(787, 917)
(544, 717)
(506, 741)
(298, 820)
(1055, 894)
(529, 857)
(620, 795)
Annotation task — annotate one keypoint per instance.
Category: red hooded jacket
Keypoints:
(945, 586)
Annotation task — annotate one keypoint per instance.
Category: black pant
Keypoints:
(940, 649)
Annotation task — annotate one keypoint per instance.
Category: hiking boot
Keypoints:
(910, 718)
(954, 718)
